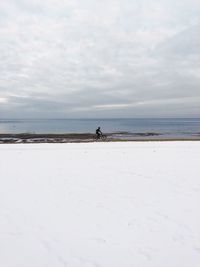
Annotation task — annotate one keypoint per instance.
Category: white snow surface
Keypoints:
(127, 204)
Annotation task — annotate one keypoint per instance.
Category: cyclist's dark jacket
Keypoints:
(98, 132)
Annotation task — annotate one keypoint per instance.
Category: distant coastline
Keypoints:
(28, 138)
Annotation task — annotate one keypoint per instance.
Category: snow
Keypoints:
(100, 204)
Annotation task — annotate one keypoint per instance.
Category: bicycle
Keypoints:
(102, 137)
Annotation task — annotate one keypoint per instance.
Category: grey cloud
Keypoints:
(72, 57)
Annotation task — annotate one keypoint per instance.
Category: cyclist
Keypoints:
(98, 133)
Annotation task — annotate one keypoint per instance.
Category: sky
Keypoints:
(92, 59)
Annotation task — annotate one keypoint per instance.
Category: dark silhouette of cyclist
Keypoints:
(98, 133)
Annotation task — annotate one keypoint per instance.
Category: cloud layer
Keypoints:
(91, 58)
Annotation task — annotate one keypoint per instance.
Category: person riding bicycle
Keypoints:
(99, 133)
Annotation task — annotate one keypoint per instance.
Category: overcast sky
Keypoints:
(99, 58)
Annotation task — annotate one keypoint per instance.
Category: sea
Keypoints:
(177, 127)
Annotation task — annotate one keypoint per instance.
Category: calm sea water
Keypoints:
(165, 126)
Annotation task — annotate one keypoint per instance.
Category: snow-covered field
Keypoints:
(100, 204)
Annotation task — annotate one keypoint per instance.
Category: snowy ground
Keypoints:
(100, 204)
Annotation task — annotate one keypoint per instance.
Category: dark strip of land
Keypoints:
(89, 137)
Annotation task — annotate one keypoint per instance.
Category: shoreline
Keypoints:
(31, 138)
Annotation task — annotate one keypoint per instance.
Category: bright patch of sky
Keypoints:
(91, 58)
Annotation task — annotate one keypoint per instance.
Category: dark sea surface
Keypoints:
(168, 127)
